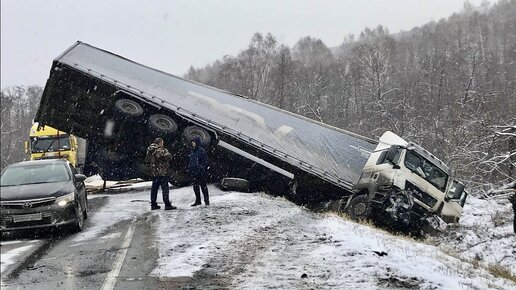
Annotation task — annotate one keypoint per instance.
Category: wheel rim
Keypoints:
(359, 209)
(128, 107)
(199, 134)
(163, 123)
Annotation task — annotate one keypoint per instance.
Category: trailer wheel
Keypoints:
(162, 124)
(195, 131)
(128, 107)
(179, 179)
(359, 208)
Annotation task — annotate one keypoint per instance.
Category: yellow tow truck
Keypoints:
(50, 143)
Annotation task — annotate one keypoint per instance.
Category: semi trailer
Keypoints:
(120, 106)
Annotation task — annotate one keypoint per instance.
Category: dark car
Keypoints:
(43, 193)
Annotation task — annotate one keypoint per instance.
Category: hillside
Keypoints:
(448, 85)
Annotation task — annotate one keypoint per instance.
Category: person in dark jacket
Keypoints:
(197, 166)
(159, 159)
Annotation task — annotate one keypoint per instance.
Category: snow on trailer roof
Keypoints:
(327, 151)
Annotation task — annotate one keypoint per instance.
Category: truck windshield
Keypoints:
(50, 144)
(426, 169)
(33, 174)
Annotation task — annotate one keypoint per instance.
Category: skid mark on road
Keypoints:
(9, 257)
(31, 260)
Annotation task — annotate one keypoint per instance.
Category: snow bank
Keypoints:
(485, 234)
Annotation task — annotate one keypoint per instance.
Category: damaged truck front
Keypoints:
(119, 106)
(409, 185)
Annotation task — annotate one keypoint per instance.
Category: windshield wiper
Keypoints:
(49, 145)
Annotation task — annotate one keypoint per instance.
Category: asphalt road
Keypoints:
(121, 258)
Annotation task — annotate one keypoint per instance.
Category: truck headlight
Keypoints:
(62, 201)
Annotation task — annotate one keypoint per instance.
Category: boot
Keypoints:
(155, 206)
(195, 204)
(170, 207)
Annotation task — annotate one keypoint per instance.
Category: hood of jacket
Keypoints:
(197, 141)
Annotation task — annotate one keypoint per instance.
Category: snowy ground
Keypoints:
(15, 254)
(252, 240)
(485, 234)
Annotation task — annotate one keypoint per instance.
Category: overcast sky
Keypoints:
(171, 35)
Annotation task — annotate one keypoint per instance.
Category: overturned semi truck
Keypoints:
(119, 106)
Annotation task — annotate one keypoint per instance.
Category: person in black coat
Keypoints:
(197, 166)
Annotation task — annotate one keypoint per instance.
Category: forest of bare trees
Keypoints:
(19, 106)
(448, 85)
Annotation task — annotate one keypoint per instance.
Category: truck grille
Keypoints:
(421, 195)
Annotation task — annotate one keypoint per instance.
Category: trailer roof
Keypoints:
(326, 150)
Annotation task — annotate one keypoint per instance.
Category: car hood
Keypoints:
(32, 191)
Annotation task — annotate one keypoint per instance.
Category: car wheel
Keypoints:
(85, 212)
(79, 224)
(359, 208)
(162, 124)
(128, 107)
(195, 131)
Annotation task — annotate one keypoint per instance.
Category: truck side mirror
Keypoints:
(391, 154)
(26, 145)
(456, 193)
(80, 177)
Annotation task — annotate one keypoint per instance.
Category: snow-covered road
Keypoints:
(250, 241)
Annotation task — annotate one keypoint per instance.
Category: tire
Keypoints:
(128, 108)
(85, 212)
(234, 184)
(195, 131)
(79, 224)
(162, 124)
(359, 208)
(179, 179)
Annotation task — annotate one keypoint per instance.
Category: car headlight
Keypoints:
(65, 199)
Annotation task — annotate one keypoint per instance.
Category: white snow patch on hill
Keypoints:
(254, 240)
(485, 234)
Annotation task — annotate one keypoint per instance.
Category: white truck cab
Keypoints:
(409, 183)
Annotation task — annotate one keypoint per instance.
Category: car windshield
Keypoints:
(426, 169)
(34, 173)
(50, 144)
